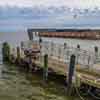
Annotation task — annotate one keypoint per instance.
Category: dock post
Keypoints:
(64, 52)
(30, 64)
(45, 71)
(6, 52)
(96, 52)
(30, 34)
(65, 45)
(18, 54)
(78, 48)
(89, 58)
(22, 45)
(52, 48)
(71, 74)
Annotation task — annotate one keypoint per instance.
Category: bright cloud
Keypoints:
(68, 3)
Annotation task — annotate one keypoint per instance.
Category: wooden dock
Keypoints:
(84, 75)
(87, 65)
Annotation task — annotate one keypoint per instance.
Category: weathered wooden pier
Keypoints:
(77, 65)
(86, 66)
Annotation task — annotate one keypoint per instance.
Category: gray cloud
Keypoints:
(69, 3)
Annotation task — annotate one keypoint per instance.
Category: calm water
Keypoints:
(16, 84)
(14, 38)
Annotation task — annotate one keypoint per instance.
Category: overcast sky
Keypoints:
(11, 21)
(69, 3)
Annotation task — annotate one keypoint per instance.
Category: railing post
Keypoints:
(52, 48)
(65, 45)
(96, 52)
(45, 71)
(40, 43)
(59, 53)
(71, 74)
(40, 40)
(78, 48)
(30, 34)
(89, 58)
(22, 45)
(68, 53)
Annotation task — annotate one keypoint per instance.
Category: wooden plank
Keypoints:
(85, 75)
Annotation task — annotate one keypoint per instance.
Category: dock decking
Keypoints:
(87, 65)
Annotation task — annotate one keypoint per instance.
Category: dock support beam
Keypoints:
(45, 71)
(71, 74)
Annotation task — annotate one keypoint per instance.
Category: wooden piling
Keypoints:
(40, 40)
(18, 54)
(96, 51)
(6, 51)
(30, 34)
(65, 45)
(71, 74)
(22, 45)
(45, 72)
(52, 48)
(30, 64)
(78, 48)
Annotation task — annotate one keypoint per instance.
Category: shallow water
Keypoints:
(18, 85)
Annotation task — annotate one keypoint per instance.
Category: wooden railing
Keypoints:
(62, 52)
